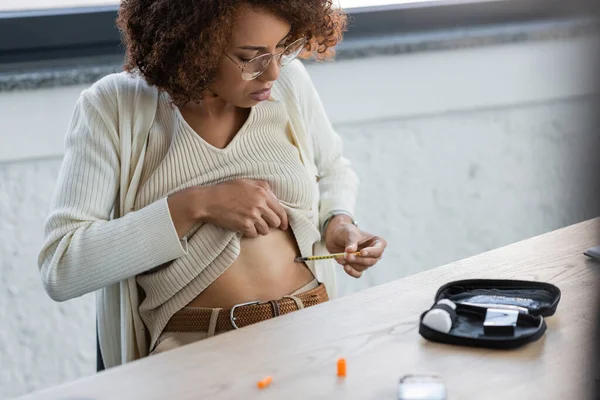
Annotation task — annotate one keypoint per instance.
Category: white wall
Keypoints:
(458, 151)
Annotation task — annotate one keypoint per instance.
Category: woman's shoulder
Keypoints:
(118, 89)
(123, 103)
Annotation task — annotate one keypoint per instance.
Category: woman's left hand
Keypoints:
(342, 236)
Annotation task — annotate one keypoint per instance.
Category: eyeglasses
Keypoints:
(253, 68)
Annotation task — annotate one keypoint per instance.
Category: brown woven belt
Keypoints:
(198, 319)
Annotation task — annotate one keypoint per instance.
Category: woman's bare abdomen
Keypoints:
(265, 270)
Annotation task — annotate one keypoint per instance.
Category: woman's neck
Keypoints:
(211, 107)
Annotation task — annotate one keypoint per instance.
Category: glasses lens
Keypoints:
(292, 51)
(256, 67)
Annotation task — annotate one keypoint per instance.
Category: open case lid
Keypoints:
(472, 297)
(539, 298)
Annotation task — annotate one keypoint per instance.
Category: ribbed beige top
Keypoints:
(180, 158)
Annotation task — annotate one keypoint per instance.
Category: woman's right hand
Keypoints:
(242, 205)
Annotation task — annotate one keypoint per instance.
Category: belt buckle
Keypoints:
(231, 313)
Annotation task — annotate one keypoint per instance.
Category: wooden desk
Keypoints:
(376, 330)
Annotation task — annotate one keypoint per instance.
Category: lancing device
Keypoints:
(441, 317)
(327, 257)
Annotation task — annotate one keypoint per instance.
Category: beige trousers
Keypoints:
(171, 340)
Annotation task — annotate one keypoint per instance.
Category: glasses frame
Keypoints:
(271, 56)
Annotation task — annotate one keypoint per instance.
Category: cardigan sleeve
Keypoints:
(84, 249)
(338, 184)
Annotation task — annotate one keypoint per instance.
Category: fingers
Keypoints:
(358, 264)
(255, 221)
(362, 261)
(371, 250)
(275, 206)
(249, 230)
(369, 256)
(351, 269)
(261, 227)
(254, 227)
(271, 218)
(352, 240)
(361, 264)
(355, 265)
(374, 247)
(352, 272)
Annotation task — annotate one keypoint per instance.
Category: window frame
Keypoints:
(67, 33)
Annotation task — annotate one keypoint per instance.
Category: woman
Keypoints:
(192, 183)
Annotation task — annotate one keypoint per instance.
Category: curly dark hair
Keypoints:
(177, 45)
